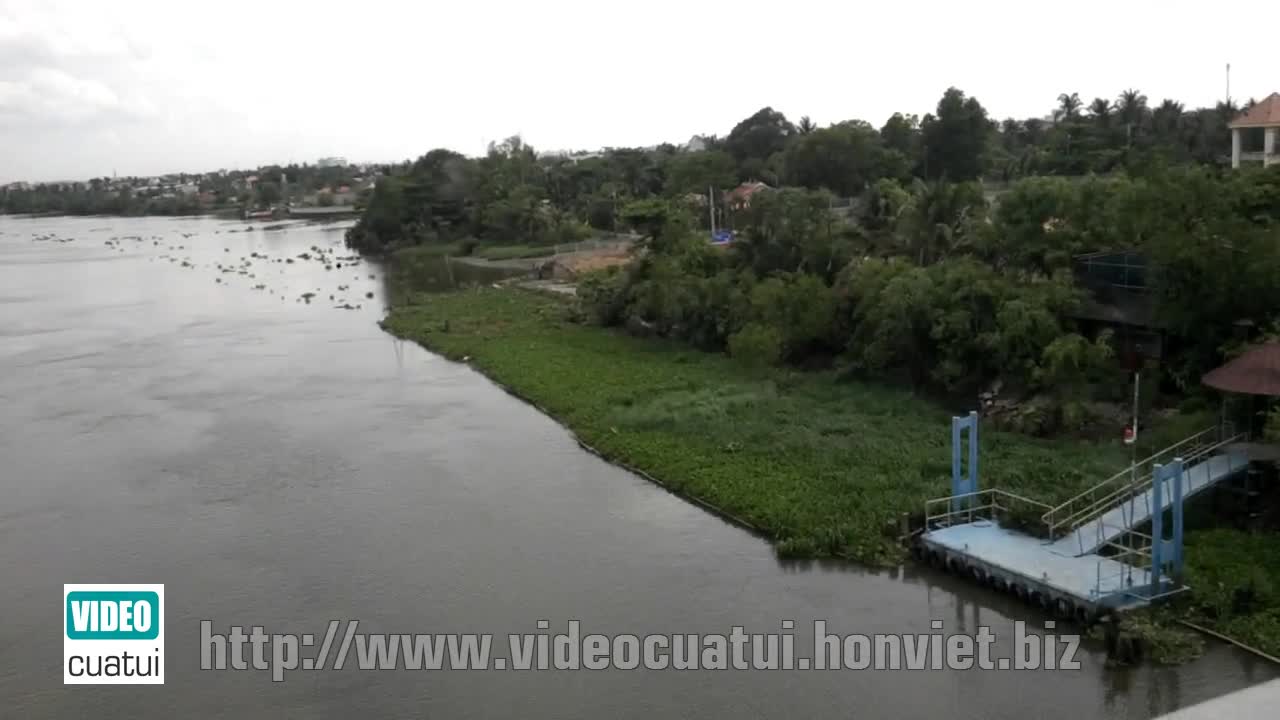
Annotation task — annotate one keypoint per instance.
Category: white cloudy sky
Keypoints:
(143, 87)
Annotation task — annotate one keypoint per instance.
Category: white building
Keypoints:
(1264, 115)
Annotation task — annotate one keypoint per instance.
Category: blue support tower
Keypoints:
(964, 480)
(1166, 553)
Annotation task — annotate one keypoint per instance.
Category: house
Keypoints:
(1119, 300)
(1264, 117)
(739, 198)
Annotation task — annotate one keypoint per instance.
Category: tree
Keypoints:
(1068, 106)
(268, 193)
(695, 172)
(806, 126)
(660, 222)
(1166, 120)
(1100, 112)
(955, 139)
(934, 220)
(759, 136)
(901, 133)
(1131, 107)
(842, 158)
(791, 230)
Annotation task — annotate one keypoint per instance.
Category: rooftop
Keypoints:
(1256, 372)
(1263, 114)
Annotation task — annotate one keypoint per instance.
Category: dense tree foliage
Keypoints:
(932, 284)
(890, 252)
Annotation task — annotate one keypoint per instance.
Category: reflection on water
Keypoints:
(282, 463)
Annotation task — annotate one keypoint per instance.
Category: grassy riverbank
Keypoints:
(823, 467)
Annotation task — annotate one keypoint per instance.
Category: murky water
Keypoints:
(280, 463)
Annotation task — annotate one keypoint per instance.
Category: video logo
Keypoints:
(113, 634)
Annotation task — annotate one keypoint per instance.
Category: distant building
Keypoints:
(739, 198)
(331, 162)
(573, 156)
(1263, 116)
(697, 143)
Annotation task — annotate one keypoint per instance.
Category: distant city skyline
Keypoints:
(139, 88)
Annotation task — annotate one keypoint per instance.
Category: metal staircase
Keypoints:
(1110, 510)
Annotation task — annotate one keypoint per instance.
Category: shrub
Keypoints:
(603, 296)
(757, 345)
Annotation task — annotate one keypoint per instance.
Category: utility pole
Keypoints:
(711, 206)
(1228, 83)
(1133, 447)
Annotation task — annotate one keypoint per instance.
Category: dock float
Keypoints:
(1087, 556)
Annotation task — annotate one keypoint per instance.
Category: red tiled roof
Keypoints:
(1263, 114)
(1257, 372)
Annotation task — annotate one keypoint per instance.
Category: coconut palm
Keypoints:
(1132, 107)
(1068, 106)
(1167, 118)
(1100, 110)
(806, 125)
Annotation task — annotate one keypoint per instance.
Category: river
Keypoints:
(282, 463)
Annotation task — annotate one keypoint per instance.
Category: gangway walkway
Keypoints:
(1116, 521)
(1087, 554)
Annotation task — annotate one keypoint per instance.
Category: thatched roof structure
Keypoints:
(1256, 372)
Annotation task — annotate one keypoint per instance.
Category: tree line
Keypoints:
(513, 194)
(882, 252)
(211, 191)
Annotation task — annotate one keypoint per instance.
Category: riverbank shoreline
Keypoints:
(820, 467)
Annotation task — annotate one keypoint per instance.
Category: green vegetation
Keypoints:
(1235, 581)
(882, 258)
(824, 467)
(878, 268)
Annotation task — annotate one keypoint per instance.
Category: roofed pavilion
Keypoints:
(1265, 115)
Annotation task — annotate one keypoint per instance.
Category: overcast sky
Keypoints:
(88, 87)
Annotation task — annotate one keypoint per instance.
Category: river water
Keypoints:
(281, 463)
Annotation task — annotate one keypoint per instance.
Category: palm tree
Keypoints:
(1010, 130)
(1068, 107)
(806, 125)
(1132, 106)
(931, 223)
(1100, 111)
(1167, 118)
